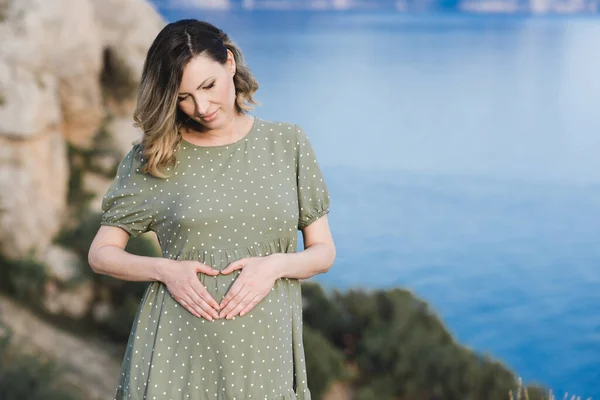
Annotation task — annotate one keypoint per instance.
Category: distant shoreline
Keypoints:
(474, 7)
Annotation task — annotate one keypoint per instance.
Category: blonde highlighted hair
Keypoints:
(157, 112)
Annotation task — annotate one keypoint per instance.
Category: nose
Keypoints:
(202, 105)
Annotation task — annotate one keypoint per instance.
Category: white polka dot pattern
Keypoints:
(220, 204)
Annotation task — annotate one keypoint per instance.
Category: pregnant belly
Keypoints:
(253, 353)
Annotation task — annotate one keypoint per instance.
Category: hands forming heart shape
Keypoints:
(257, 277)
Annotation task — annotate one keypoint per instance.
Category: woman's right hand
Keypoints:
(182, 281)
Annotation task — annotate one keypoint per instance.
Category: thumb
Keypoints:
(239, 264)
(206, 269)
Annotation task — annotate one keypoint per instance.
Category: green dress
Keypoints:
(220, 203)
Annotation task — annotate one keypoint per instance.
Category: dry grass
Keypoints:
(523, 395)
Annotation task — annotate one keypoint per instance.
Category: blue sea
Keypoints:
(463, 159)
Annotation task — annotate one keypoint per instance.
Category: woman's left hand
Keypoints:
(251, 286)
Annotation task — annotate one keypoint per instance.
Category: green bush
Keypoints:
(401, 348)
(86, 160)
(324, 363)
(27, 378)
(22, 279)
(123, 295)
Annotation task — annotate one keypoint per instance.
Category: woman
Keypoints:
(225, 193)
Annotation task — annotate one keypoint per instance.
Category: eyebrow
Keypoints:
(199, 86)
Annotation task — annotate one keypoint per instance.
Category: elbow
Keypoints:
(330, 258)
(92, 259)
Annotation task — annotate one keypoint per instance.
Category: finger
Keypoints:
(239, 307)
(251, 305)
(238, 264)
(200, 304)
(235, 289)
(194, 310)
(200, 292)
(205, 269)
(234, 303)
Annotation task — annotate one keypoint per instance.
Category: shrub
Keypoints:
(123, 295)
(324, 363)
(23, 279)
(402, 349)
(85, 160)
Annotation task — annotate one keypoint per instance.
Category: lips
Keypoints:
(210, 116)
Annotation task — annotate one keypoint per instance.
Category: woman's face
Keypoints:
(207, 91)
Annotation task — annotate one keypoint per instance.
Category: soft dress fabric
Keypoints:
(220, 203)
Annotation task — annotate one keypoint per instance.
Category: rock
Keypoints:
(128, 27)
(339, 391)
(29, 105)
(90, 365)
(123, 133)
(52, 59)
(102, 311)
(126, 35)
(62, 265)
(33, 190)
(81, 110)
(98, 185)
(73, 302)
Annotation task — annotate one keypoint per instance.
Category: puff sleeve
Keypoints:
(127, 202)
(313, 195)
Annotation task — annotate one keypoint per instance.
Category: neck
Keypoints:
(232, 130)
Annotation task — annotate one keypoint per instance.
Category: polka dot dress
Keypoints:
(220, 204)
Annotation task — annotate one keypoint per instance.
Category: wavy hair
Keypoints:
(157, 112)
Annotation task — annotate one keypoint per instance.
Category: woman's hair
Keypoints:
(157, 112)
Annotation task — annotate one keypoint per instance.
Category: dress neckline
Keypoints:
(224, 146)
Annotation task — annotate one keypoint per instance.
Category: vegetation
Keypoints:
(84, 160)
(4, 6)
(23, 279)
(124, 296)
(401, 350)
(383, 344)
(27, 377)
(324, 363)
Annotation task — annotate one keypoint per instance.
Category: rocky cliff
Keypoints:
(68, 72)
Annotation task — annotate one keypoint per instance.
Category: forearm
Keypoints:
(316, 259)
(116, 262)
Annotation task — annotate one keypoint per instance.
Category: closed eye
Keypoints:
(207, 87)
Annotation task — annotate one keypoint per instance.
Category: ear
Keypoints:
(231, 67)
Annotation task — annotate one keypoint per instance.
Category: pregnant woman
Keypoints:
(226, 194)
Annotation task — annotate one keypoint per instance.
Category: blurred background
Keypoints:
(460, 141)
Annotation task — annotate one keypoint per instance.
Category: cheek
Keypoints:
(187, 107)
